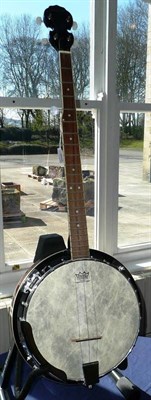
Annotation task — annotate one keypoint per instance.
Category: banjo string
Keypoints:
(78, 313)
(87, 318)
(86, 313)
(95, 317)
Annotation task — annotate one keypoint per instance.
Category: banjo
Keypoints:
(78, 311)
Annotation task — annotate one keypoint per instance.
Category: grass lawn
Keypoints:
(131, 144)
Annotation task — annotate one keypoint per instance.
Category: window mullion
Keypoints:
(103, 79)
(2, 257)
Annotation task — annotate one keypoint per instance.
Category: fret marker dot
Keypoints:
(78, 225)
(77, 211)
(79, 187)
(69, 115)
(70, 187)
(70, 138)
(73, 169)
(68, 90)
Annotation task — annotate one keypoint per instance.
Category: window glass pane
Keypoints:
(34, 203)
(132, 42)
(134, 215)
(29, 65)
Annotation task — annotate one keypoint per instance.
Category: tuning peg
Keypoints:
(39, 21)
(54, 110)
(75, 44)
(75, 25)
(44, 41)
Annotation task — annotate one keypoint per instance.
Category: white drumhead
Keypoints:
(84, 300)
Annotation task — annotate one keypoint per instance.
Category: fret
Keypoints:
(71, 149)
(78, 236)
(74, 192)
(79, 247)
(70, 138)
(69, 103)
(67, 89)
(72, 158)
(80, 243)
(74, 210)
(71, 196)
(74, 175)
(73, 215)
(78, 233)
(69, 126)
(73, 169)
(70, 123)
(77, 225)
(78, 219)
(80, 254)
(71, 145)
(65, 60)
(74, 179)
(76, 183)
(78, 203)
(75, 187)
(77, 211)
(66, 134)
(69, 115)
(66, 75)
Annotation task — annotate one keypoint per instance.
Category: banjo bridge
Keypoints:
(86, 339)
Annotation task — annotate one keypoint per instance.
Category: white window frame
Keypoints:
(103, 81)
(106, 107)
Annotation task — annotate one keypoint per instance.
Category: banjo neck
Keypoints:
(73, 171)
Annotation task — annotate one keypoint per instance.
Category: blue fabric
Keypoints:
(138, 371)
(139, 365)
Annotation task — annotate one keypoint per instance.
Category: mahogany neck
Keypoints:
(73, 171)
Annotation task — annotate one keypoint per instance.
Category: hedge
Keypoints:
(27, 149)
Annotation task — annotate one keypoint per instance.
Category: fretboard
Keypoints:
(73, 171)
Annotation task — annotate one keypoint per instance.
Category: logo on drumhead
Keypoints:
(82, 277)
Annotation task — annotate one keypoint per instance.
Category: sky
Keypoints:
(78, 8)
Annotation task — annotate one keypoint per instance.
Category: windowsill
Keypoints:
(140, 268)
(10, 279)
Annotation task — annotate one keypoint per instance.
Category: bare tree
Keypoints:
(131, 58)
(22, 59)
(131, 51)
(1, 118)
(51, 77)
(30, 68)
(81, 62)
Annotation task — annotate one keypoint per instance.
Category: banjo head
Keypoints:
(79, 311)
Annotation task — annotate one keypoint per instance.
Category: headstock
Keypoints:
(60, 21)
